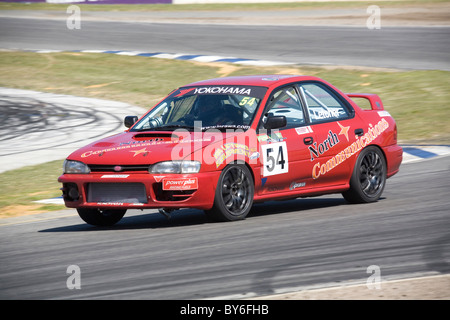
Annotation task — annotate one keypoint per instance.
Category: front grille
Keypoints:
(118, 168)
(116, 192)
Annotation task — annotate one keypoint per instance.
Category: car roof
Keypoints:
(254, 80)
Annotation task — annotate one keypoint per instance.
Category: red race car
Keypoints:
(220, 145)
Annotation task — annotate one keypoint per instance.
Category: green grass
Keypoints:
(20, 187)
(137, 80)
(417, 99)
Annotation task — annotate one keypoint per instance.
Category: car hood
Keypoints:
(136, 148)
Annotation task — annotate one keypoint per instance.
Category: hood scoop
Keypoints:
(162, 136)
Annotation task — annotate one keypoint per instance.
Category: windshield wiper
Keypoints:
(168, 127)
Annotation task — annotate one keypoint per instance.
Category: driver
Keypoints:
(210, 110)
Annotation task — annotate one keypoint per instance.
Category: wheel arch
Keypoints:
(244, 163)
(355, 193)
(240, 194)
(362, 149)
(379, 148)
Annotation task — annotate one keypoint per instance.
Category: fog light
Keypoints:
(73, 193)
(70, 192)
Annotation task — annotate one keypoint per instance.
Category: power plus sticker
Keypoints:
(275, 158)
(180, 184)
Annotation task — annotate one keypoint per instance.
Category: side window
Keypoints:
(286, 102)
(321, 104)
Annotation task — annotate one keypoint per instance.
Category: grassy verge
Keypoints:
(136, 80)
(19, 188)
(417, 99)
(219, 6)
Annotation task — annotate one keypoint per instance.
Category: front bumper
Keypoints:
(139, 190)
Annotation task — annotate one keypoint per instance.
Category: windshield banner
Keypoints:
(251, 91)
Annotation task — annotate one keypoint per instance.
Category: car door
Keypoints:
(285, 158)
(332, 120)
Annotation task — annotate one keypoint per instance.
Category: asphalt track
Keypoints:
(280, 247)
(389, 47)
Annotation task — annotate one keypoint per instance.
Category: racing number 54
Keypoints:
(275, 158)
(270, 159)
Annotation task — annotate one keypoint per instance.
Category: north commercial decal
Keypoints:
(373, 132)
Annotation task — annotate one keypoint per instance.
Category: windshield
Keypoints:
(205, 107)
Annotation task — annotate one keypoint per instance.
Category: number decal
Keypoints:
(247, 100)
(275, 158)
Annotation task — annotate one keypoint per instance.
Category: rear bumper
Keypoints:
(394, 157)
(173, 191)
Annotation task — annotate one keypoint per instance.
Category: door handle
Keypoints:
(308, 140)
(359, 132)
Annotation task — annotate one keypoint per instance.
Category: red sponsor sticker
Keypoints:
(180, 184)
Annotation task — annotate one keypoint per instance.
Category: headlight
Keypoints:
(175, 167)
(70, 166)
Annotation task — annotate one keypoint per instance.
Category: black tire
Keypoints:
(99, 217)
(368, 178)
(234, 194)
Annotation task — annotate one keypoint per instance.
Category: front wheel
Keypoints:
(234, 194)
(101, 217)
(368, 178)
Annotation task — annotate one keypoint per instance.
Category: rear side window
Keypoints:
(286, 102)
(322, 104)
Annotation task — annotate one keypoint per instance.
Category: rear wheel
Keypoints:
(100, 217)
(234, 194)
(368, 178)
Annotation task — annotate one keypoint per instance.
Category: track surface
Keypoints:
(280, 245)
(391, 47)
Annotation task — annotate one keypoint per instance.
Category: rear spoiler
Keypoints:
(375, 101)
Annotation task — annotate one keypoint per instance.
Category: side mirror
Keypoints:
(129, 121)
(275, 122)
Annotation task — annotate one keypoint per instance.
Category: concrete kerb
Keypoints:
(177, 56)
